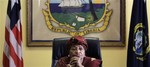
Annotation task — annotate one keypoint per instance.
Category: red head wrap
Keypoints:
(77, 40)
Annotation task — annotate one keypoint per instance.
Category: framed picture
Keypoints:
(49, 19)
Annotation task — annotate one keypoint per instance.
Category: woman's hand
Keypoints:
(76, 62)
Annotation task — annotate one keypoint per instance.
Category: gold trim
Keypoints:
(49, 19)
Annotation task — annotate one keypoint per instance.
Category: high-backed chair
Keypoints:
(59, 49)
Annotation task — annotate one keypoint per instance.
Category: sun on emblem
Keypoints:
(77, 17)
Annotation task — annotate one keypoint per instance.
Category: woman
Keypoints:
(77, 46)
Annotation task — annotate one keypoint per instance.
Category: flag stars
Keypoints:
(13, 3)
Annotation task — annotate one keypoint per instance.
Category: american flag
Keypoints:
(12, 55)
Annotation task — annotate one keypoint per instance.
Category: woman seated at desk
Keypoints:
(77, 46)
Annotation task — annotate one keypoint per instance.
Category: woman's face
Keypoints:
(77, 50)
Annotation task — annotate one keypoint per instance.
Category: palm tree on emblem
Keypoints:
(92, 10)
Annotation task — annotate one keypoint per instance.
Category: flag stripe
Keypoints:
(21, 32)
(6, 51)
(12, 64)
(16, 46)
(6, 56)
(15, 38)
(16, 33)
(12, 55)
(12, 50)
(6, 61)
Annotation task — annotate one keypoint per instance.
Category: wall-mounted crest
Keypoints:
(77, 17)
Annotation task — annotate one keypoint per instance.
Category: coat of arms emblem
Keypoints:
(140, 42)
(77, 17)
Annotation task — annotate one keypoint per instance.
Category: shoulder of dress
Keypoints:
(63, 58)
(92, 59)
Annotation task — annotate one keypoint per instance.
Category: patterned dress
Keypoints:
(87, 62)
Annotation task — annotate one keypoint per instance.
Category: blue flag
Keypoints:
(138, 44)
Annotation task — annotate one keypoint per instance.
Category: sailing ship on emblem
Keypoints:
(76, 14)
(71, 3)
(69, 6)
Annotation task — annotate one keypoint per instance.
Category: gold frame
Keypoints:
(48, 43)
